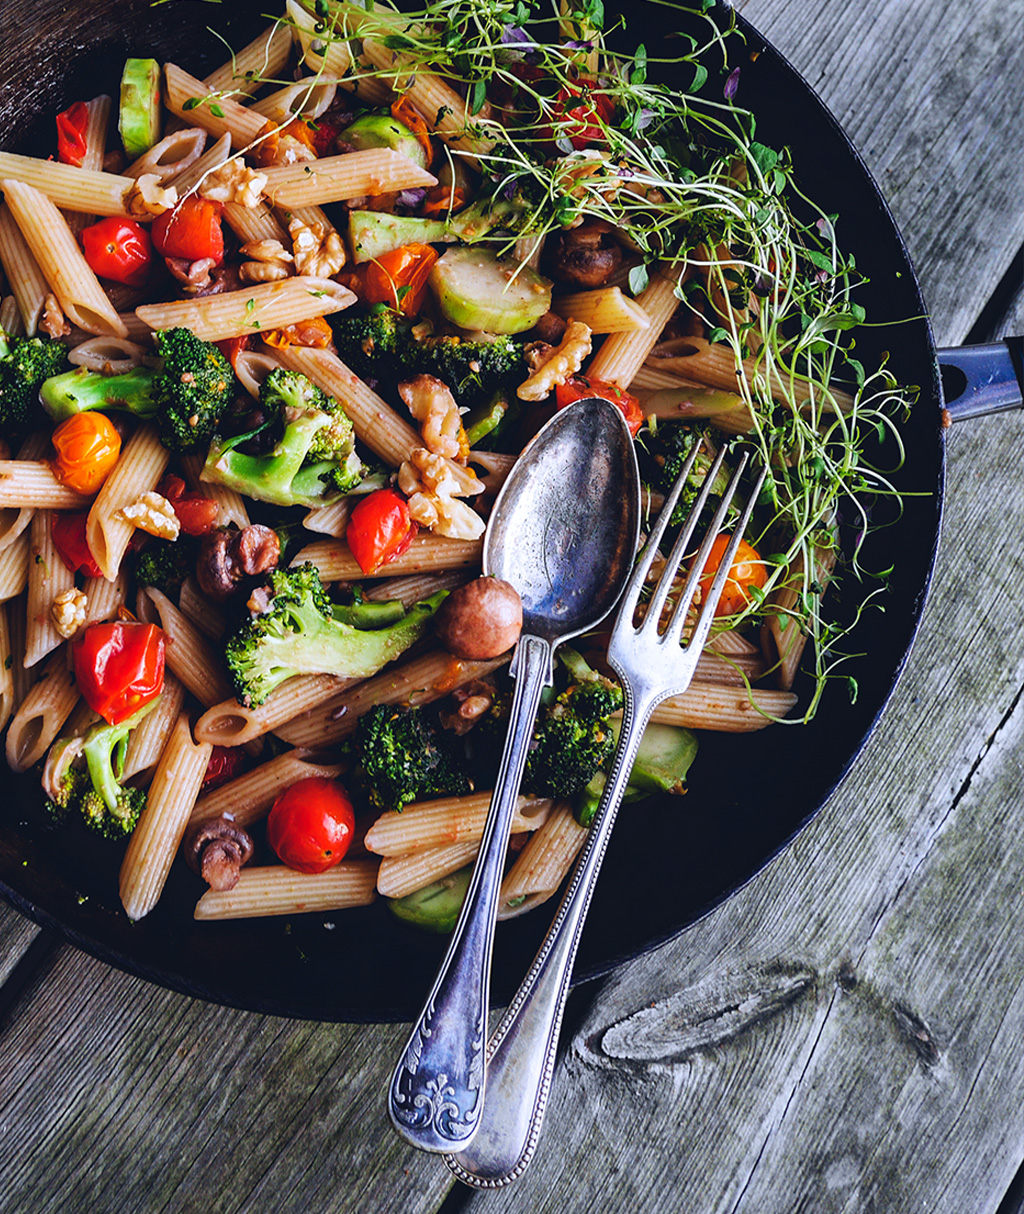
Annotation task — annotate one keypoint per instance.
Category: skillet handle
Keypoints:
(977, 380)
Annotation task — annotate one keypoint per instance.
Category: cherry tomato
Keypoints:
(581, 386)
(87, 447)
(231, 347)
(225, 763)
(191, 230)
(311, 825)
(119, 667)
(119, 249)
(379, 529)
(399, 278)
(746, 570)
(68, 531)
(71, 126)
(197, 513)
(314, 333)
(582, 124)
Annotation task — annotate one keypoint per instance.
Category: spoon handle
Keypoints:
(521, 1054)
(437, 1089)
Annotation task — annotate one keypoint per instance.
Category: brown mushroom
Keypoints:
(586, 256)
(227, 555)
(480, 620)
(217, 849)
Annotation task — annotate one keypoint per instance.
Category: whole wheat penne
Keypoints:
(139, 469)
(104, 599)
(211, 159)
(10, 317)
(782, 639)
(329, 520)
(61, 261)
(72, 188)
(447, 820)
(14, 569)
(31, 484)
(154, 842)
(402, 875)
(6, 664)
(198, 105)
(203, 611)
(328, 54)
(622, 354)
(48, 577)
(278, 890)
(189, 655)
(251, 224)
(308, 97)
(147, 740)
(258, 308)
(543, 864)
(229, 723)
(252, 367)
(231, 507)
(169, 158)
(45, 707)
(339, 178)
(110, 355)
(723, 708)
(409, 590)
(426, 554)
(13, 523)
(376, 424)
(95, 149)
(24, 277)
(416, 681)
(604, 310)
(265, 58)
(731, 642)
(739, 669)
(250, 796)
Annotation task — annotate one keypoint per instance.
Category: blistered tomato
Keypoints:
(581, 386)
(311, 825)
(119, 667)
(746, 570)
(379, 529)
(87, 447)
(119, 249)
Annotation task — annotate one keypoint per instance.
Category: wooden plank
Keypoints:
(17, 933)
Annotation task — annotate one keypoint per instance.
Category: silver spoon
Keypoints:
(563, 532)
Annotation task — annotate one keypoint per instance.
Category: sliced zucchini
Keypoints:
(477, 290)
(138, 119)
(661, 765)
(435, 907)
(383, 131)
(373, 233)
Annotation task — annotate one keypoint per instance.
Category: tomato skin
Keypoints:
(584, 126)
(581, 386)
(71, 124)
(190, 230)
(87, 447)
(197, 513)
(399, 278)
(746, 570)
(67, 529)
(311, 824)
(119, 249)
(232, 347)
(380, 529)
(225, 763)
(119, 667)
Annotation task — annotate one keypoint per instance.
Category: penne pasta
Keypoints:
(197, 104)
(188, 653)
(399, 876)
(31, 484)
(147, 740)
(250, 796)
(6, 665)
(169, 158)
(142, 464)
(426, 824)
(72, 188)
(14, 569)
(725, 709)
(543, 864)
(44, 708)
(264, 58)
(24, 277)
(229, 723)
(280, 891)
(339, 178)
(604, 310)
(48, 577)
(622, 354)
(427, 553)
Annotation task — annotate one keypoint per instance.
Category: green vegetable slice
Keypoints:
(138, 119)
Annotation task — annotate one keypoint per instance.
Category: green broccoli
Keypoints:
(186, 395)
(165, 564)
(313, 461)
(300, 632)
(84, 773)
(368, 342)
(666, 450)
(474, 370)
(404, 757)
(25, 363)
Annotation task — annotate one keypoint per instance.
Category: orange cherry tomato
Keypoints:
(190, 230)
(311, 825)
(399, 278)
(379, 529)
(119, 667)
(746, 570)
(581, 386)
(87, 447)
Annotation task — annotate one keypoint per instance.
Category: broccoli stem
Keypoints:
(80, 390)
(104, 749)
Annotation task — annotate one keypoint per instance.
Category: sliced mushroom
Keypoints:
(217, 850)
(228, 555)
(586, 256)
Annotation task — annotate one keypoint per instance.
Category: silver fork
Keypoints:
(652, 663)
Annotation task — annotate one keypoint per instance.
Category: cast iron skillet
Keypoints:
(670, 861)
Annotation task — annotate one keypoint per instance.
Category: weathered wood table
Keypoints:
(844, 1034)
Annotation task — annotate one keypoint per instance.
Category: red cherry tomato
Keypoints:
(191, 230)
(581, 386)
(68, 531)
(119, 667)
(311, 825)
(380, 529)
(231, 347)
(197, 514)
(119, 249)
(71, 125)
(584, 123)
(225, 763)
(746, 570)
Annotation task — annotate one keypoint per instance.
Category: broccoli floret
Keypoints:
(668, 447)
(25, 363)
(404, 757)
(298, 633)
(185, 395)
(369, 343)
(474, 370)
(165, 564)
(312, 463)
(84, 774)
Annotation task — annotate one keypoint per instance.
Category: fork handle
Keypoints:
(521, 1054)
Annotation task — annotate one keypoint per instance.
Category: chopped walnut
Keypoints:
(146, 197)
(234, 181)
(54, 322)
(564, 361)
(262, 271)
(153, 514)
(68, 611)
(318, 249)
(269, 261)
(431, 403)
(434, 485)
